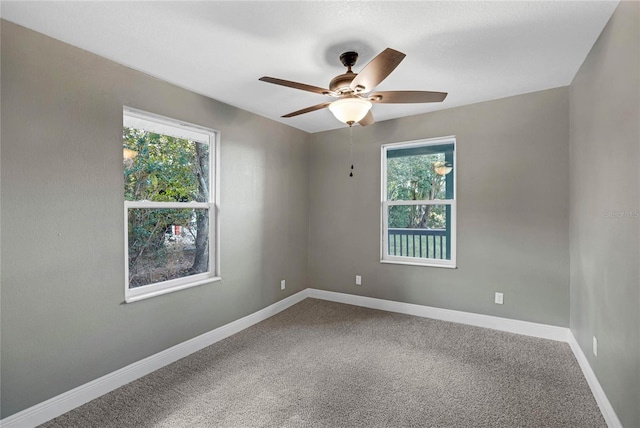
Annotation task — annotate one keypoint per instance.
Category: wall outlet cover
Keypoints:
(283, 285)
(499, 298)
(358, 280)
(595, 346)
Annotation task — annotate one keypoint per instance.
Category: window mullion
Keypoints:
(169, 205)
(425, 202)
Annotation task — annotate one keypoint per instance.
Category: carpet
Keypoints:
(325, 364)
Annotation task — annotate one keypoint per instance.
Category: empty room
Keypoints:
(320, 214)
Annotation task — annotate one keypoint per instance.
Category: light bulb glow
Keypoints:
(128, 154)
(350, 110)
(442, 168)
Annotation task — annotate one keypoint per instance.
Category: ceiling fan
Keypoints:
(354, 90)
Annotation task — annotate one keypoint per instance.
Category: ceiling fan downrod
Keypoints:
(341, 84)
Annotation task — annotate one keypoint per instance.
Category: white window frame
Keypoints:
(201, 135)
(385, 204)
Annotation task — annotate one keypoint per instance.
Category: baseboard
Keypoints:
(598, 393)
(504, 324)
(69, 400)
(544, 331)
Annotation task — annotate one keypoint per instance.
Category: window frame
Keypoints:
(385, 204)
(212, 205)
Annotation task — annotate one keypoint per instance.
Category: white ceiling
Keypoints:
(476, 51)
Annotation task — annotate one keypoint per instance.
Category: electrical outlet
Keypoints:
(283, 285)
(499, 298)
(358, 280)
(595, 346)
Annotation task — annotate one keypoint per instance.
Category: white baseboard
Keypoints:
(69, 400)
(504, 324)
(598, 393)
(526, 328)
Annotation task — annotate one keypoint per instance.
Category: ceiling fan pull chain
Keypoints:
(351, 146)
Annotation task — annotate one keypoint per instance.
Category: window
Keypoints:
(170, 208)
(419, 203)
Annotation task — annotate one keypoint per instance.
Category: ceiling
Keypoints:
(475, 51)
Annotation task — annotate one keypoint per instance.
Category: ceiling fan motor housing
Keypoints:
(341, 83)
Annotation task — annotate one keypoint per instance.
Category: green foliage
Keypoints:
(412, 178)
(163, 169)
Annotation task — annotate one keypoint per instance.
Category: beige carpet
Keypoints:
(323, 364)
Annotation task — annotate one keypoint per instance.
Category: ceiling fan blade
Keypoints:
(367, 120)
(296, 85)
(401, 97)
(308, 110)
(377, 70)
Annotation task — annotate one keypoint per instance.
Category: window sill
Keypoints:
(397, 262)
(154, 293)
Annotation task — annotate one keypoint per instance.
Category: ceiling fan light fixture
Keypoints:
(350, 110)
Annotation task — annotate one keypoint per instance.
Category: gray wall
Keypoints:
(63, 320)
(513, 210)
(288, 205)
(605, 250)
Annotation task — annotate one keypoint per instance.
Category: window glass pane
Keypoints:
(420, 173)
(166, 244)
(163, 168)
(422, 231)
